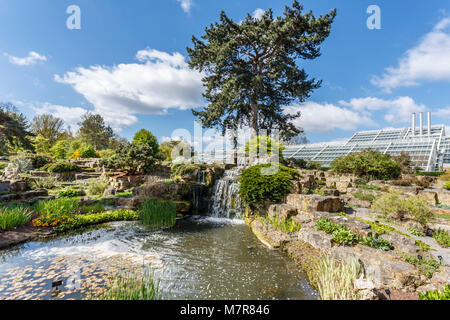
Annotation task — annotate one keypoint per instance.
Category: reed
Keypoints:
(57, 207)
(158, 213)
(14, 216)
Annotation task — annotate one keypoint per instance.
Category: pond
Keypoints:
(200, 258)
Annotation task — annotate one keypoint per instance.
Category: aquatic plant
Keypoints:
(158, 213)
(131, 286)
(14, 216)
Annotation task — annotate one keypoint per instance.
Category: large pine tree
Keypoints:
(251, 68)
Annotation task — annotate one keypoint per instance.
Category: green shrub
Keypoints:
(436, 295)
(61, 167)
(130, 286)
(377, 243)
(393, 206)
(133, 158)
(46, 182)
(430, 173)
(97, 186)
(61, 149)
(262, 145)
(423, 246)
(57, 207)
(447, 185)
(158, 213)
(426, 266)
(88, 152)
(14, 216)
(442, 237)
(415, 232)
(367, 163)
(69, 193)
(124, 194)
(83, 220)
(93, 208)
(256, 187)
(364, 196)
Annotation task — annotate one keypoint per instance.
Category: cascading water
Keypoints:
(225, 202)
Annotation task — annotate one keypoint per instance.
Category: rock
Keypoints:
(377, 183)
(110, 191)
(342, 186)
(127, 202)
(317, 239)
(366, 289)
(402, 243)
(360, 228)
(429, 195)
(381, 267)
(331, 192)
(274, 239)
(315, 203)
(40, 174)
(281, 211)
(126, 182)
(17, 186)
(157, 190)
(4, 187)
(443, 197)
(308, 182)
(409, 191)
(425, 288)
(441, 278)
(301, 219)
(183, 207)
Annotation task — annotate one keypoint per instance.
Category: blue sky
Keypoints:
(127, 62)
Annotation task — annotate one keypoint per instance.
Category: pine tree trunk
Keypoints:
(253, 118)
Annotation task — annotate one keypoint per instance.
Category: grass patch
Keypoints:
(97, 186)
(422, 245)
(442, 237)
(287, 226)
(69, 193)
(93, 208)
(381, 228)
(45, 182)
(124, 194)
(415, 232)
(131, 286)
(363, 196)
(13, 216)
(158, 213)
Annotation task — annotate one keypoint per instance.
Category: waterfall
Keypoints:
(225, 201)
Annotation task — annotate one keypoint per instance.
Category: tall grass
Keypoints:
(14, 216)
(335, 280)
(158, 213)
(46, 182)
(131, 286)
(97, 186)
(57, 207)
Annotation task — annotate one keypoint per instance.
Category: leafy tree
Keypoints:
(14, 132)
(264, 145)
(94, 131)
(404, 161)
(133, 158)
(251, 68)
(61, 149)
(145, 137)
(41, 144)
(367, 163)
(48, 127)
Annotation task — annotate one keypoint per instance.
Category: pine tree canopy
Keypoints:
(251, 69)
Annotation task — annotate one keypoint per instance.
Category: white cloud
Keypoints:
(186, 5)
(32, 58)
(70, 115)
(159, 82)
(398, 110)
(428, 61)
(327, 117)
(443, 113)
(258, 13)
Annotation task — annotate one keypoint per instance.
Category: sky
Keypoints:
(128, 62)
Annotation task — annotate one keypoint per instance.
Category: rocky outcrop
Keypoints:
(316, 239)
(409, 191)
(438, 281)
(401, 242)
(383, 268)
(271, 238)
(357, 227)
(281, 211)
(126, 182)
(315, 203)
(156, 190)
(23, 195)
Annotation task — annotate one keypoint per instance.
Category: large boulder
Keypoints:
(409, 191)
(126, 182)
(383, 268)
(317, 239)
(156, 190)
(343, 186)
(401, 242)
(281, 211)
(17, 186)
(315, 203)
(272, 238)
(360, 228)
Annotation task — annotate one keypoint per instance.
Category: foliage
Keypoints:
(264, 145)
(14, 132)
(97, 186)
(45, 182)
(447, 185)
(61, 149)
(369, 187)
(145, 137)
(426, 266)
(76, 155)
(436, 295)
(260, 183)
(380, 228)
(130, 286)
(445, 176)
(41, 144)
(37, 160)
(364, 196)
(18, 165)
(133, 158)
(88, 152)
(430, 173)
(93, 131)
(367, 163)
(158, 213)
(69, 193)
(124, 194)
(377, 243)
(61, 167)
(256, 75)
(415, 232)
(335, 280)
(393, 206)
(82, 220)
(14, 216)
(92, 208)
(404, 161)
(423, 246)
(48, 127)
(106, 153)
(58, 207)
(442, 237)
(287, 226)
